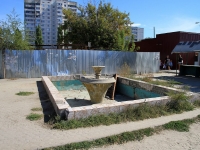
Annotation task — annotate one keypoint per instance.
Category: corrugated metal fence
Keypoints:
(37, 63)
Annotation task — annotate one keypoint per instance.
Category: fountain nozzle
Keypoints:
(97, 70)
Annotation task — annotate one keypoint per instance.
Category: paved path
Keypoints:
(18, 133)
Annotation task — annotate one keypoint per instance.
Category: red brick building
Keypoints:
(166, 42)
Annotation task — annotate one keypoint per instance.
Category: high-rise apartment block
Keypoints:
(138, 33)
(48, 15)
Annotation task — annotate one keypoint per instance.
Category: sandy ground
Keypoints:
(166, 140)
(18, 133)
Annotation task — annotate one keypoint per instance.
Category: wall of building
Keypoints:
(48, 15)
(165, 43)
(138, 33)
(37, 63)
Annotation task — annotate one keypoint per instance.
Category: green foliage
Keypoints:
(110, 140)
(38, 38)
(181, 126)
(179, 102)
(103, 26)
(12, 33)
(149, 78)
(34, 116)
(143, 111)
(24, 93)
(60, 35)
(169, 83)
(197, 103)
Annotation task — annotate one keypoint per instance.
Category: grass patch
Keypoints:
(24, 93)
(179, 102)
(181, 126)
(168, 83)
(34, 116)
(37, 109)
(197, 103)
(110, 140)
(141, 112)
(163, 82)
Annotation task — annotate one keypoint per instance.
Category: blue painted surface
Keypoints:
(135, 93)
(68, 85)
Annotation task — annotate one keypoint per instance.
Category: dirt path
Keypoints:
(16, 132)
(166, 140)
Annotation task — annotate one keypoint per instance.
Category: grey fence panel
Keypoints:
(37, 63)
(1, 64)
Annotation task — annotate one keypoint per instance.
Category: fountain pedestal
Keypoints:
(98, 86)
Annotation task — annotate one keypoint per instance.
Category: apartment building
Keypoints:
(138, 33)
(48, 15)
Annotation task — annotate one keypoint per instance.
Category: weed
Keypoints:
(181, 126)
(179, 102)
(141, 112)
(115, 139)
(197, 103)
(37, 109)
(124, 70)
(34, 116)
(24, 93)
(84, 72)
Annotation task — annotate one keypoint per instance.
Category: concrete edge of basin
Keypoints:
(62, 108)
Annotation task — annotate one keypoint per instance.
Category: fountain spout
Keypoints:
(97, 70)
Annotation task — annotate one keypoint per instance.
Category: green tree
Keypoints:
(38, 38)
(12, 33)
(59, 36)
(103, 26)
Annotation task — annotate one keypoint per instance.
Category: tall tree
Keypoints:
(103, 26)
(38, 38)
(60, 35)
(12, 33)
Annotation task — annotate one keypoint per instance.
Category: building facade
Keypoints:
(138, 33)
(166, 42)
(48, 15)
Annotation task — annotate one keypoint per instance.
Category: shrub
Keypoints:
(179, 102)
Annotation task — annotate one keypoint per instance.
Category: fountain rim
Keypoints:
(98, 66)
(97, 81)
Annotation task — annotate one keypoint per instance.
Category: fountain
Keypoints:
(97, 86)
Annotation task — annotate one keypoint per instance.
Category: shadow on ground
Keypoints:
(46, 104)
(192, 82)
(78, 102)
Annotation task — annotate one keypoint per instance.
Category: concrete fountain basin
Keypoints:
(97, 86)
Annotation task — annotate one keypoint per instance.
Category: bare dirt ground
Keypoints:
(166, 140)
(18, 133)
